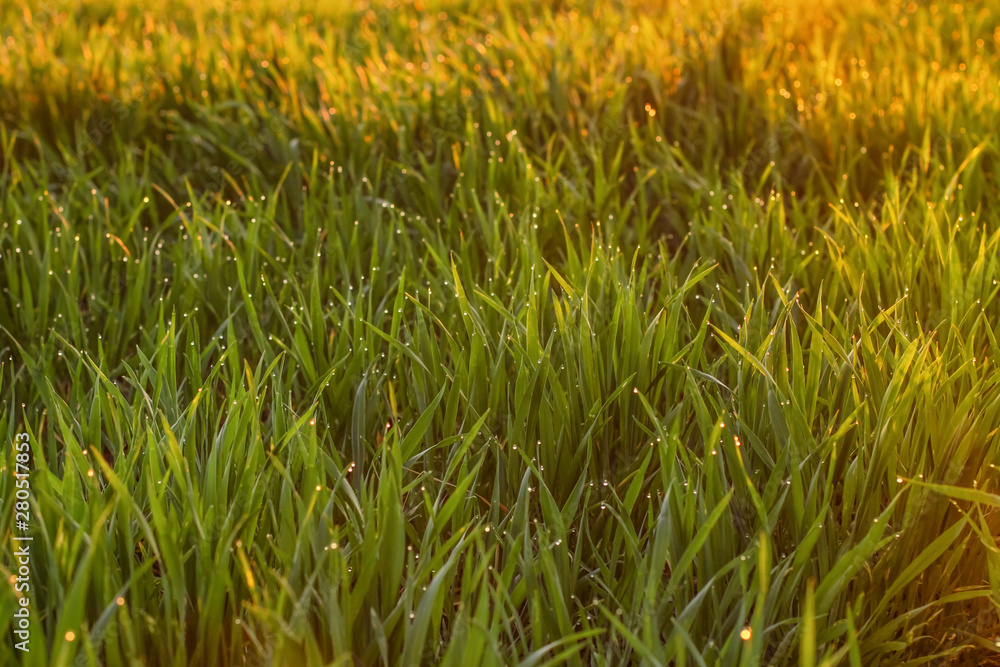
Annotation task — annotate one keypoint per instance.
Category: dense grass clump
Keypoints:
(487, 333)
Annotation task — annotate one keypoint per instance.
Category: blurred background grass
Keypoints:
(724, 79)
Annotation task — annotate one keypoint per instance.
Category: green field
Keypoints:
(500, 332)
